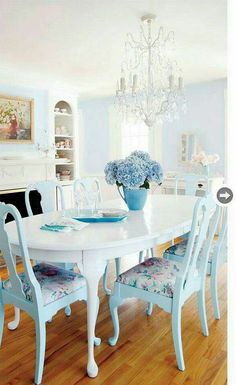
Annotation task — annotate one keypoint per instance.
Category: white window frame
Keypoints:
(115, 137)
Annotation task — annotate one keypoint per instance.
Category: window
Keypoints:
(127, 137)
(134, 136)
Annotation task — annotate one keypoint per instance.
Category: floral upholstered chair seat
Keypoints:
(156, 275)
(54, 281)
(178, 251)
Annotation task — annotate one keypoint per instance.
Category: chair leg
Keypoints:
(97, 340)
(202, 311)
(1, 320)
(141, 256)
(104, 280)
(14, 324)
(152, 252)
(117, 261)
(214, 293)
(68, 311)
(113, 305)
(40, 349)
(176, 331)
(149, 308)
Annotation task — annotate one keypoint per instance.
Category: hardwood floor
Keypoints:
(144, 354)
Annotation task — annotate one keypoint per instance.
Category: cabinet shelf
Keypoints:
(65, 164)
(62, 114)
(65, 130)
(63, 136)
(67, 182)
(64, 149)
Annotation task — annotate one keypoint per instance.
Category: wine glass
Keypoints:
(92, 199)
(79, 201)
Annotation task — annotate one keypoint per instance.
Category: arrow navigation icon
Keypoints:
(224, 195)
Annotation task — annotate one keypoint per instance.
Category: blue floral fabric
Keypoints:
(179, 250)
(156, 275)
(54, 281)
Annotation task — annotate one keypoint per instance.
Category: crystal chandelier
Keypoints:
(151, 84)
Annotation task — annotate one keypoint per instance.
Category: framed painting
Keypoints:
(16, 120)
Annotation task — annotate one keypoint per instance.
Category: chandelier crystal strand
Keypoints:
(151, 84)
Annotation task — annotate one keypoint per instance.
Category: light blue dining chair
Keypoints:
(48, 191)
(169, 284)
(217, 256)
(82, 187)
(87, 185)
(40, 290)
(192, 183)
(51, 192)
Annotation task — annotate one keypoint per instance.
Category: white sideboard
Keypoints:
(168, 185)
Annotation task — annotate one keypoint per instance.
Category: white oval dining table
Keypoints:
(163, 218)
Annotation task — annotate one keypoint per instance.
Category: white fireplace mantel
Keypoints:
(18, 173)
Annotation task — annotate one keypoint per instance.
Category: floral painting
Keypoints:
(16, 119)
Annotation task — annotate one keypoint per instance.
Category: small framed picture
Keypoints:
(16, 120)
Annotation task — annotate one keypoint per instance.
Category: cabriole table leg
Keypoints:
(92, 271)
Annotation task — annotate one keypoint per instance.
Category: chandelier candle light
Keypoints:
(151, 84)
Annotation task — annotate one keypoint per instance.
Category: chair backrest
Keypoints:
(205, 219)
(47, 190)
(191, 183)
(16, 284)
(86, 185)
(220, 246)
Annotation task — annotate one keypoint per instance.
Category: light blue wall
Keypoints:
(96, 134)
(40, 115)
(206, 117)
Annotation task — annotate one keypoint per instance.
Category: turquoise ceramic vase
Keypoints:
(135, 199)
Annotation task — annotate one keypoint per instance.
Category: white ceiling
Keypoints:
(79, 43)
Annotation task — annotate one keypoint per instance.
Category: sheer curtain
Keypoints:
(134, 136)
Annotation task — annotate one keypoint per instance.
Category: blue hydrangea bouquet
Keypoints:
(134, 174)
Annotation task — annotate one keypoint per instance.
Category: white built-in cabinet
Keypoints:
(64, 133)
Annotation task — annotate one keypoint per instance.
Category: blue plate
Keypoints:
(100, 219)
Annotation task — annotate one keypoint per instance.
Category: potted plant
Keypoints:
(134, 174)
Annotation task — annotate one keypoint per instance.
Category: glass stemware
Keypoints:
(92, 199)
(79, 201)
